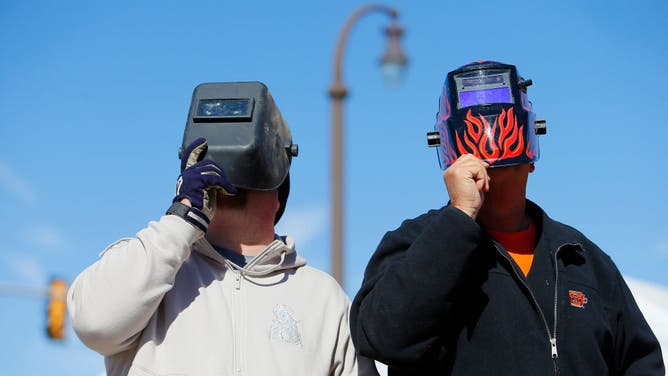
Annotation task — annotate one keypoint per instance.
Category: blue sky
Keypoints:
(94, 97)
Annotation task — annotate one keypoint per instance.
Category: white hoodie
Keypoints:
(159, 305)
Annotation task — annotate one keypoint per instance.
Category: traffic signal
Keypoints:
(56, 309)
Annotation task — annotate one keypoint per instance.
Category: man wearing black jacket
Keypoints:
(489, 284)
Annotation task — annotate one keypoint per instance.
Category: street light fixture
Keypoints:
(392, 63)
(394, 60)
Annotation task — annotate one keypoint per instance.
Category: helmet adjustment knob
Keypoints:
(433, 139)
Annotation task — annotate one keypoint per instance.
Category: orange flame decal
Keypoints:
(502, 140)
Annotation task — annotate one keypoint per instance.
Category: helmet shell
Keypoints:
(484, 111)
(246, 134)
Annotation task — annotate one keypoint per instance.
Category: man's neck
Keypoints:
(241, 234)
(507, 215)
(504, 206)
(244, 223)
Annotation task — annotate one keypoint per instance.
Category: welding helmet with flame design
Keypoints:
(484, 111)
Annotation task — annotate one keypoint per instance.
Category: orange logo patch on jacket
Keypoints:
(577, 298)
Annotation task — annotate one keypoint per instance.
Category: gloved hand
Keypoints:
(200, 182)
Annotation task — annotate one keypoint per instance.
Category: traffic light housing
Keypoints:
(56, 309)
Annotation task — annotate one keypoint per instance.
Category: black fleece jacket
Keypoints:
(441, 297)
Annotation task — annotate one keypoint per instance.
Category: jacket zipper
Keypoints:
(553, 340)
(552, 337)
(238, 325)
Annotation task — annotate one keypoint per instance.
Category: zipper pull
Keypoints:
(553, 343)
(237, 277)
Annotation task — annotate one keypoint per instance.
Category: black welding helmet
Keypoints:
(484, 111)
(246, 135)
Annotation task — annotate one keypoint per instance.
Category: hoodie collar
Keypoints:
(278, 255)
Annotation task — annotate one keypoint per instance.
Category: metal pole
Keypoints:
(337, 93)
(337, 184)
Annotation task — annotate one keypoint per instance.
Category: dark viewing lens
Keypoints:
(485, 96)
(228, 108)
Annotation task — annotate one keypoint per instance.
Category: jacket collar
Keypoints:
(553, 234)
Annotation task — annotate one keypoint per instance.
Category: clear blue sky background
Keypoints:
(94, 96)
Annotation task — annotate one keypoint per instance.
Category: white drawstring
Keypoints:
(258, 273)
(267, 252)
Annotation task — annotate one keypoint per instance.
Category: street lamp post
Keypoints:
(392, 61)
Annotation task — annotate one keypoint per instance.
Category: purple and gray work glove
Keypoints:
(200, 182)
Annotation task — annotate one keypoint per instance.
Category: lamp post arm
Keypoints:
(337, 87)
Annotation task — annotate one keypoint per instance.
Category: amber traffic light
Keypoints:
(56, 309)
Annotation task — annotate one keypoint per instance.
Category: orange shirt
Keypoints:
(519, 244)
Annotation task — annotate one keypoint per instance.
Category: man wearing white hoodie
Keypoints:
(209, 288)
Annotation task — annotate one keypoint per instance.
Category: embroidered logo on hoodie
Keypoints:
(284, 326)
(577, 298)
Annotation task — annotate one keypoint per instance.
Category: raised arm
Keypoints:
(412, 286)
(111, 301)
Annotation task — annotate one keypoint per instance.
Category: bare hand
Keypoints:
(467, 181)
